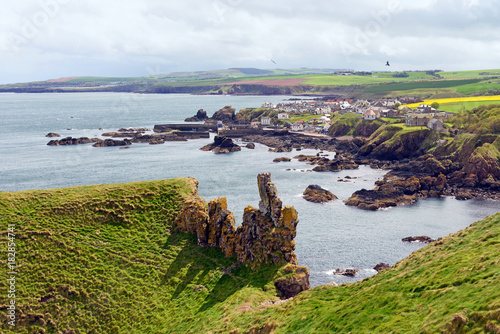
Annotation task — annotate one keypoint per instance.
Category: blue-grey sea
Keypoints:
(330, 236)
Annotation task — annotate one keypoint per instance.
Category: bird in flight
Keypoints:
(387, 64)
(273, 61)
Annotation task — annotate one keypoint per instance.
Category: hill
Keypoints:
(424, 84)
(108, 259)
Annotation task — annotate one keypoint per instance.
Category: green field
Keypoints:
(458, 106)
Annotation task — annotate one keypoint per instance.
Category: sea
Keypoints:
(329, 236)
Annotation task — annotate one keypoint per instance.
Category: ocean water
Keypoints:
(330, 236)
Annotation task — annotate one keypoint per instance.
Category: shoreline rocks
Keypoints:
(200, 116)
(222, 145)
(52, 134)
(316, 194)
(381, 266)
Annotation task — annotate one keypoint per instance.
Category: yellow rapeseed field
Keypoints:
(456, 99)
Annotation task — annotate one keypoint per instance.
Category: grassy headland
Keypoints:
(105, 259)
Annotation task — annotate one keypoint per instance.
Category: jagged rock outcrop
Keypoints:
(265, 236)
(200, 116)
(225, 114)
(316, 194)
(221, 144)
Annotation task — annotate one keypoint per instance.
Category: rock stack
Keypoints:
(265, 236)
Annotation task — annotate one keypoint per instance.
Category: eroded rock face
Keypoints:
(291, 286)
(265, 236)
(316, 194)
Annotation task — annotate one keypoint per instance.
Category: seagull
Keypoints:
(387, 64)
(273, 61)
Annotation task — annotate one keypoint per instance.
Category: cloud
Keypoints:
(49, 38)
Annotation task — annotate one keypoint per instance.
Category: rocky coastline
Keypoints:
(411, 174)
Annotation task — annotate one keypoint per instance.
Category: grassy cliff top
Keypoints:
(105, 259)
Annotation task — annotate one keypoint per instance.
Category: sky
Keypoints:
(46, 39)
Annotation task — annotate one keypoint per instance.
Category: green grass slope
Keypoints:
(104, 259)
(449, 286)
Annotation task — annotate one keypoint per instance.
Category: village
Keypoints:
(391, 110)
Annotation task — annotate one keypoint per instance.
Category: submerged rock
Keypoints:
(316, 194)
(284, 159)
(73, 141)
(421, 238)
(346, 272)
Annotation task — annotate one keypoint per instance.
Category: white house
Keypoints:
(297, 126)
(324, 119)
(371, 114)
(283, 116)
(265, 120)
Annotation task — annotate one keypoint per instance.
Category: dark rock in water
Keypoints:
(381, 266)
(133, 130)
(421, 238)
(284, 159)
(200, 116)
(346, 272)
(250, 146)
(111, 142)
(52, 134)
(121, 134)
(73, 141)
(281, 149)
(221, 144)
(316, 194)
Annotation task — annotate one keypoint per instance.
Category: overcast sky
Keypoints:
(44, 39)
